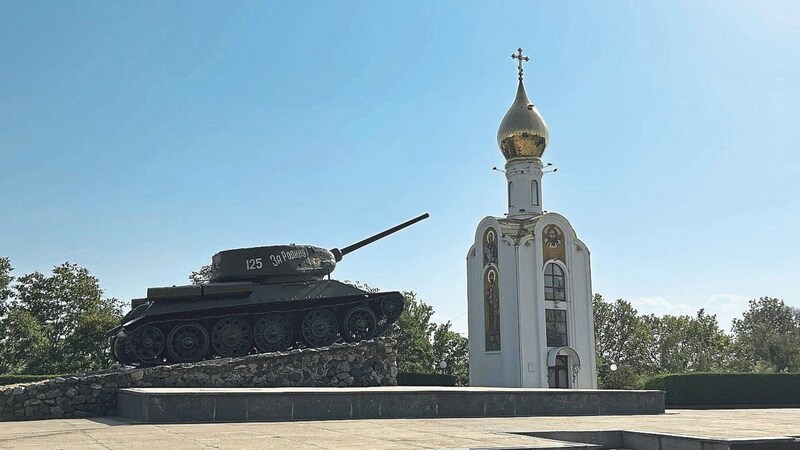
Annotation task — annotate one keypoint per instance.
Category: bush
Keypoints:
(16, 379)
(728, 388)
(622, 378)
(425, 379)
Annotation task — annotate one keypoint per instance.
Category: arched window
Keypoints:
(509, 194)
(534, 193)
(554, 282)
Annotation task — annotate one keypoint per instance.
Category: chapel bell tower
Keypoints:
(528, 275)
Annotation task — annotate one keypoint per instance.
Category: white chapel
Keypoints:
(529, 283)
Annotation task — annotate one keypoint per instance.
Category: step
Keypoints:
(186, 405)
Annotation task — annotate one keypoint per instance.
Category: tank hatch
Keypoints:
(272, 264)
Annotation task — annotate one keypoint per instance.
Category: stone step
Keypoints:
(186, 405)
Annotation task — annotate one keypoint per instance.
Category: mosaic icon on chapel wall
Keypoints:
(491, 309)
(489, 247)
(553, 244)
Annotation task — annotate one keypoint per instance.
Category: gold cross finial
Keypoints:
(518, 56)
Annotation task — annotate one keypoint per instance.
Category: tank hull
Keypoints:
(193, 323)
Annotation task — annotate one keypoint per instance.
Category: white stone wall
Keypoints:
(522, 360)
(532, 334)
(524, 201)
(580, 317)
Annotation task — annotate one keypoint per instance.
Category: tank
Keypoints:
(259, 299)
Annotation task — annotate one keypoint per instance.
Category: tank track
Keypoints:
(266, 328)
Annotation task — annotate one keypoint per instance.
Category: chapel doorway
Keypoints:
(558, 374)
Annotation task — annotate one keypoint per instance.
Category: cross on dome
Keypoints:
(518, 56)
(522, 133)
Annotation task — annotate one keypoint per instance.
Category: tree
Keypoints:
(5, 283)
(767, 337)
(201, 275)
(24, 343)
(414, 332)
(711, 347)
(686, 344)
(453, 349)
(5, 295)
(57, 323)
(622, 339)
(422, 344)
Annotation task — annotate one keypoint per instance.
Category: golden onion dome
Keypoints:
(522, 133)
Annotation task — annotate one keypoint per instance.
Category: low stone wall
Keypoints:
(367, 363)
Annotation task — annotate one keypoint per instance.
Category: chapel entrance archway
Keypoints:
(563, 365)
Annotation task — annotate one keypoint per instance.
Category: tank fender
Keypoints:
(131, 322)
(125, 325)
(174, 292)
(139, 312)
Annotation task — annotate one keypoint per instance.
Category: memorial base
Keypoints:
(190, 405)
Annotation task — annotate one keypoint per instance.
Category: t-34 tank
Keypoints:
(260, 299)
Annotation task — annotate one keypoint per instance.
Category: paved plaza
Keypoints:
(109, 433)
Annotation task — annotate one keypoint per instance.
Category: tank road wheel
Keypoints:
(145, 344)
(122, 355)
(391, 307)
(359, 324)
(273, 333)
(187, 343)
(232, 337)
(320, 328)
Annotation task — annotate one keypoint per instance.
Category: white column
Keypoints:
(524, 177)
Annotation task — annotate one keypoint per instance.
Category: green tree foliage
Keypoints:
(767, 337)
(5, 295)
(622, 339)
(201, 275)
(5, 282)
(56, 323)
(24, 343)
(413, 332)
(422, 344)
(640, 346)
(686, 344)
(453, 349)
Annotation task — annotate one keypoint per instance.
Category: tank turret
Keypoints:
(283, 263)
(258, 299)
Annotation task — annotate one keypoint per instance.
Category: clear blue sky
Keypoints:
(139, 138)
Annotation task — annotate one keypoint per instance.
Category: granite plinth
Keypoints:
(189, 405)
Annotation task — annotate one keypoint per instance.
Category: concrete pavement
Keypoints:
(109, 433)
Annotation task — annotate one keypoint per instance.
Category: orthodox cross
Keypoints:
(518, 56)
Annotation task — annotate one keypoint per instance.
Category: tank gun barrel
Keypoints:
(338, 254)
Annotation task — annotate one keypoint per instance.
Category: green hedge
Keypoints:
(425, 379)
(728, 388)
(15, 379)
